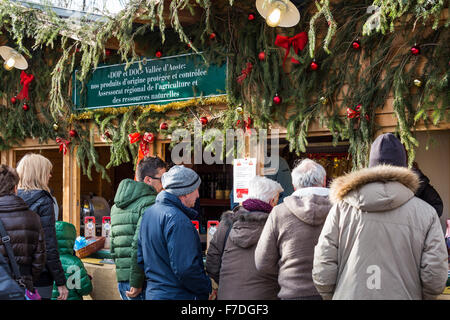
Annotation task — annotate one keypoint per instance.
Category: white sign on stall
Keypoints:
(243, 171)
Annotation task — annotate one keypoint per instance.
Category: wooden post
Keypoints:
(8, 157)
(71, 190)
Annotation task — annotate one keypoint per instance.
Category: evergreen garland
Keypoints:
(346, 78)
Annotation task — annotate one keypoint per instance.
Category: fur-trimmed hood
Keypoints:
(247, 226)
(375, 189)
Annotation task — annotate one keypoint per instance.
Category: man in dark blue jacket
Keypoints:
(169, 248)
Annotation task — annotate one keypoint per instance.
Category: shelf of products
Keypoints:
(214, 202)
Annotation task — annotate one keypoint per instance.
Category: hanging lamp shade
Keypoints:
(278, 13)
(13, 59)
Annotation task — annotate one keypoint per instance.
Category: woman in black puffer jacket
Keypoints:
(23, 228)
(34, 172)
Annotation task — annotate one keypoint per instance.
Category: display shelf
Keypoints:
(214, 202)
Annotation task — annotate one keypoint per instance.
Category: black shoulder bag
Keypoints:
(14, 289)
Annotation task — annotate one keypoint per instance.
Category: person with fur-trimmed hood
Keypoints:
(379, 241)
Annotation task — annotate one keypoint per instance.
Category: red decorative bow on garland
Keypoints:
(298, 42)
(355, 113)
(247, 125)
(63, 144)
(245, 72)
(25, 80)
(144, 145)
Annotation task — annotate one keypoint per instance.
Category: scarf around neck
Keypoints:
(256, 205)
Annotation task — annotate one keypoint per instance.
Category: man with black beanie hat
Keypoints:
(387, 149)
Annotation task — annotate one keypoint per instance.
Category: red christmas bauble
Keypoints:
(25, 107)
(314, 65)
(148, 137)
(13, 100)
(108, 52)
(158, 54)
(356, 45)
(73, 133)
(415, 50)
(212, 36)
(277, 99)
(107, 134)
(163, 126)
(203, 120)
(251, 17)
(262, 55)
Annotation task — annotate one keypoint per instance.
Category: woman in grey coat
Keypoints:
(230, 258)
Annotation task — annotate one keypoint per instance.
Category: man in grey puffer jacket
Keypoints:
(379, 241)
(287, 242)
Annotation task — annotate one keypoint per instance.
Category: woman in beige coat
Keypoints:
(380, 241)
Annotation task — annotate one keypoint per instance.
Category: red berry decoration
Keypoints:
(262, 56)
(204, 121)
(277, 99)
(158, 54)
(25, 107)
(314, 66)
(13, 100)
(415, 50)
(212, 36)
(251, 17)
(356, 45)
(73, 133)
(163, 126)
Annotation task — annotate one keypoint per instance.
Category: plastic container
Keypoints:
(196, 224)
(106, 231)
(211, 228)
(89, 226)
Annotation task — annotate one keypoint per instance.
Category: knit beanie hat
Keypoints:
(180, 181)
(387, 149)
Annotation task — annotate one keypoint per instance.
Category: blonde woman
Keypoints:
(34, 174)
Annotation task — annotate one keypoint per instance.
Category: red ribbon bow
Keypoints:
(245, 72)
(298, 42)
(25, 80)
(355, 113)
(247, 125)
(144, 145)
(63, 144)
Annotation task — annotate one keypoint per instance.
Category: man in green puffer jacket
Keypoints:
(78, 281)
(131, 200)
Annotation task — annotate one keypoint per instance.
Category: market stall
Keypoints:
(99, 102)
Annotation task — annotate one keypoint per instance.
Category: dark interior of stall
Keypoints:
(97, 195)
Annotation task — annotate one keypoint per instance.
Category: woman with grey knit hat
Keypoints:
(169, 248)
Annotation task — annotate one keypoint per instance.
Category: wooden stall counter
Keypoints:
(104, 281)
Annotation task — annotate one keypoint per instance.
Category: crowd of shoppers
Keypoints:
(374, 234)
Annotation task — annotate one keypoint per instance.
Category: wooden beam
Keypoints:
(71, 190)
(185, 16)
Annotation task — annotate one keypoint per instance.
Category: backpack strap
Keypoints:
(6, 240)
(236, 209)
